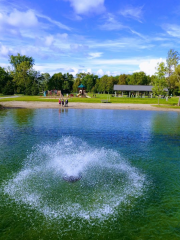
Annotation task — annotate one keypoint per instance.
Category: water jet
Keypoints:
(72, 179)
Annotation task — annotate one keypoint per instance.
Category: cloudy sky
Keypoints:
(98, 36)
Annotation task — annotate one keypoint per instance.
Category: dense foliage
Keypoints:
(22, 78)
(6, 82)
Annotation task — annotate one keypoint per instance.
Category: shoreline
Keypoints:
(78, 105)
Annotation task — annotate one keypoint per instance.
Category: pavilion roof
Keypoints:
(136, 88)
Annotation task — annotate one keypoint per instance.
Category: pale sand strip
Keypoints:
(73, 105)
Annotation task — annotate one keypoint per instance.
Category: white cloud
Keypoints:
(87, 6)
(4, 51)
(59, 24)
(117, 66)
(108, 73)
(78, 47)
(112, 24)
(4, 65)
(108, 67)
(132, 12)
(19, 19)
(95, 54)
(62, 36)
(135, 13)
(89, 70)
(172, 29)
(149, 66)
(49, 40)
(137, 33)
(130, 61)
(127, 43)
(52, 68)
(100, 72)
(22, 23)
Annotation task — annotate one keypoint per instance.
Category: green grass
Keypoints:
(172, 102)
(167, 106)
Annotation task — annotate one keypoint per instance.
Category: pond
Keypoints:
(89, 174)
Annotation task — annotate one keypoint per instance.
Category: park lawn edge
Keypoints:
(172, 102)
(167, 106)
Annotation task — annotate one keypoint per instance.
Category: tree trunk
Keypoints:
(179, 102)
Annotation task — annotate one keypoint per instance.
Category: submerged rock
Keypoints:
(72, 179)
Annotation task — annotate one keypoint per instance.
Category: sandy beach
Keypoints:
(75, 105)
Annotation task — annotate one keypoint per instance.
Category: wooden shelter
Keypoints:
(135, 90)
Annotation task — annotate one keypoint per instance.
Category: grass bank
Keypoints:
(171, 103)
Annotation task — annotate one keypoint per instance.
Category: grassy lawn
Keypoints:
(172, 102)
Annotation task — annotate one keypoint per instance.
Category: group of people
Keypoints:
(63, 103)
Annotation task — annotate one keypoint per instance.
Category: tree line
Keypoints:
(22, 78)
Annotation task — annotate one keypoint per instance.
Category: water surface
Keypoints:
(130, 167)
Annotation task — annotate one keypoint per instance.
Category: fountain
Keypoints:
(108, 180)
(72, 179)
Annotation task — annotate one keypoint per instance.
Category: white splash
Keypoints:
(107, 180)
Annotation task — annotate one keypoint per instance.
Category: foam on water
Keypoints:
(107, 180)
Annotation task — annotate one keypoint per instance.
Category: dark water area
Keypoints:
(129, 163)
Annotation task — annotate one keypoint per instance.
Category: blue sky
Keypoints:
(98, 36)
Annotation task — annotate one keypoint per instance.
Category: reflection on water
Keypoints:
(25, 117)
(167, 124)
(130, 167)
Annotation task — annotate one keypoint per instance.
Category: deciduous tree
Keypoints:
(177, 75)
(159, 82)
(21, 76)
(171, 61)
(18, 59)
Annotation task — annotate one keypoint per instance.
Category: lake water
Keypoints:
(128, 162)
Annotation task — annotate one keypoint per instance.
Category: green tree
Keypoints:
(177, 76)
(138, 78)
(22, 73)
(56, 82)
(18, 59)
(8, 88)
(76, 83)
(122, 79)
(172, 82)
(34, 89)
(171, 61)
(97, 88)
(89, 81)
(45, 77)
(159, 82)
(3, 78)
(21, 76)
(68, 83)
(6, 82)
(36, 79)
(110, 83)
(103, 83)
(80, 78)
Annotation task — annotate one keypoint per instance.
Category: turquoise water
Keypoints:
(129, 162)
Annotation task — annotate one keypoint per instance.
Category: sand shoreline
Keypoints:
(77, 105)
